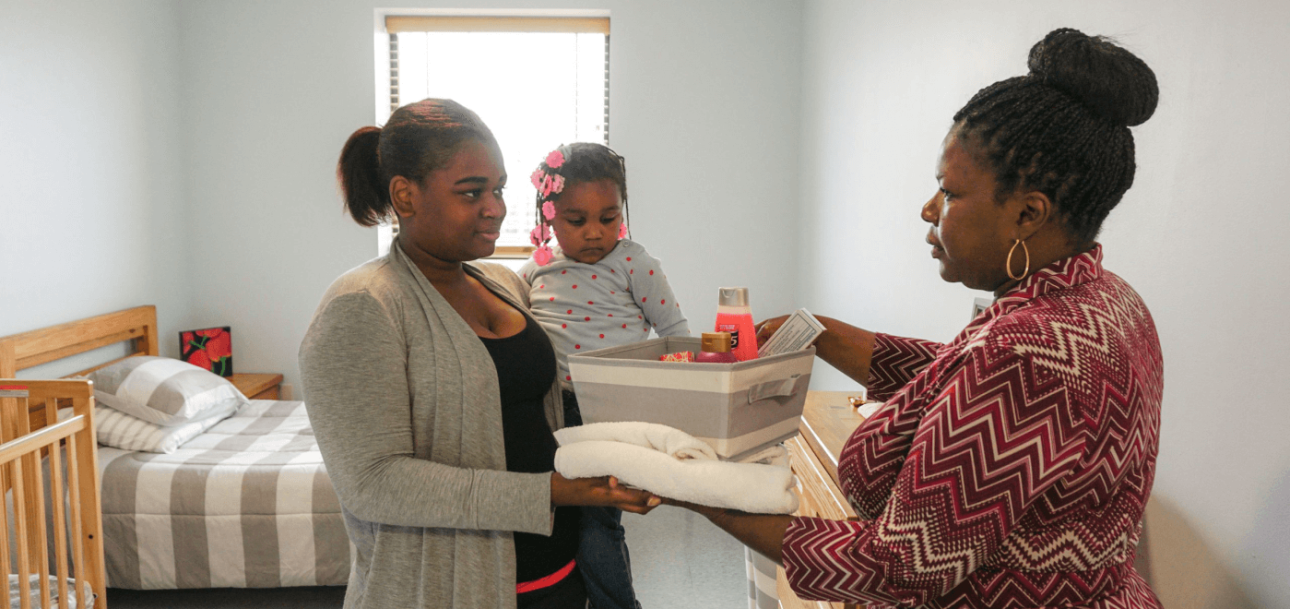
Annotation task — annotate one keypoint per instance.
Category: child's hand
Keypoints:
(601, 492)
(767, 327)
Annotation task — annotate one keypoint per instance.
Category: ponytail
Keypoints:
(418, 139)
(367, 196)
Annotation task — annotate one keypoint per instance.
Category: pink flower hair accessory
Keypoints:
(622, 231)
(555, 159)
(547, 182)
(552, 184)
(542, 255)
(540, 234)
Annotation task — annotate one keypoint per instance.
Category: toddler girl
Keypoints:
(596, 289)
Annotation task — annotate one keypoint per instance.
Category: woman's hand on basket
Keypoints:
(767, 327)
(601, 492)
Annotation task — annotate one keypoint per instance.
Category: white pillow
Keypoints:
(120, 430)
(164, 391)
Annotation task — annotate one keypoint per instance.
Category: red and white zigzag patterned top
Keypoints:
(1008, 468)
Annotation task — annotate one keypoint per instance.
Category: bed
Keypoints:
(247, 503)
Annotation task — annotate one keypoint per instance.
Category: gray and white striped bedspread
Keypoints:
(247, 504)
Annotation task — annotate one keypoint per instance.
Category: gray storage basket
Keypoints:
(738, 408)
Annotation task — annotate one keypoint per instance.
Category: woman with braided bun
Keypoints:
(1009, 467)
(432, 391)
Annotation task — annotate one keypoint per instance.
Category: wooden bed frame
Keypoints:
(22, 351)
(26, 409)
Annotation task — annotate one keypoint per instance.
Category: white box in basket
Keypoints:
(737, 408)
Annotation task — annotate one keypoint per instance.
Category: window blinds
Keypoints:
(395, 24)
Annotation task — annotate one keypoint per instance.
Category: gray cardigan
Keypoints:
(404, 402)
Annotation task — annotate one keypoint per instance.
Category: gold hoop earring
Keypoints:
(1007, 265)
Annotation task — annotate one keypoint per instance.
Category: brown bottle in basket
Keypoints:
(716, 349)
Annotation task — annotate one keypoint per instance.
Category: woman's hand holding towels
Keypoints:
(603, 491)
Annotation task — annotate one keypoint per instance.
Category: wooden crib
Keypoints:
(72, 502)
(65, 520)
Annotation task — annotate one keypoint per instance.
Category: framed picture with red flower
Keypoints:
(209, 349)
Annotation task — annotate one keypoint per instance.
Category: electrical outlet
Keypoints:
(287, 392)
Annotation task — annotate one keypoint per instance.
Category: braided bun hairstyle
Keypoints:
(418, 139)
(1063, 129)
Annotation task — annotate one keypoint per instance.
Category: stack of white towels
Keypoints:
(671, 463)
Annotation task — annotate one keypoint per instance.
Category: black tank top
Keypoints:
(526, 370)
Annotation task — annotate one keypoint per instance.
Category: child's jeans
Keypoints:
(602, 548)
(602, 555)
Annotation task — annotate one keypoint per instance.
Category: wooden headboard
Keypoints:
(137, 325)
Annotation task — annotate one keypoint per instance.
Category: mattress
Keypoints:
(32, 590)
(247, 504)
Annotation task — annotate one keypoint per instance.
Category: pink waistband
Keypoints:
(547, 581)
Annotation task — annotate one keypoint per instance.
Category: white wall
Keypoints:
(1199, 235)
(92, 217)
(704, 106)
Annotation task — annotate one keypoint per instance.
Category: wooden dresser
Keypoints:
(827, 421)
(258, 386)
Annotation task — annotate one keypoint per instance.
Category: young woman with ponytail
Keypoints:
(432, 392)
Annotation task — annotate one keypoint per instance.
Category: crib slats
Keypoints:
(20, 531)
(74, 508)
(8, 413)
(5, 567)
(74, 487)
(56, 499)
(36, 500)
(21, 506)
(91, 519)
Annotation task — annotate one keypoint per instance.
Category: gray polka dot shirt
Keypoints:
(616, 301)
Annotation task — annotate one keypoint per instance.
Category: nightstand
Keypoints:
(258, 386)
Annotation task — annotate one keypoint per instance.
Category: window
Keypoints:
(536, 81)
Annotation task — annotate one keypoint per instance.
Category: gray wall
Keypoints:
(704, 106)
(92, 217)
(1199, 235)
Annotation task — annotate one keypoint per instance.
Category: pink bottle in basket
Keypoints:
(735, 316)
